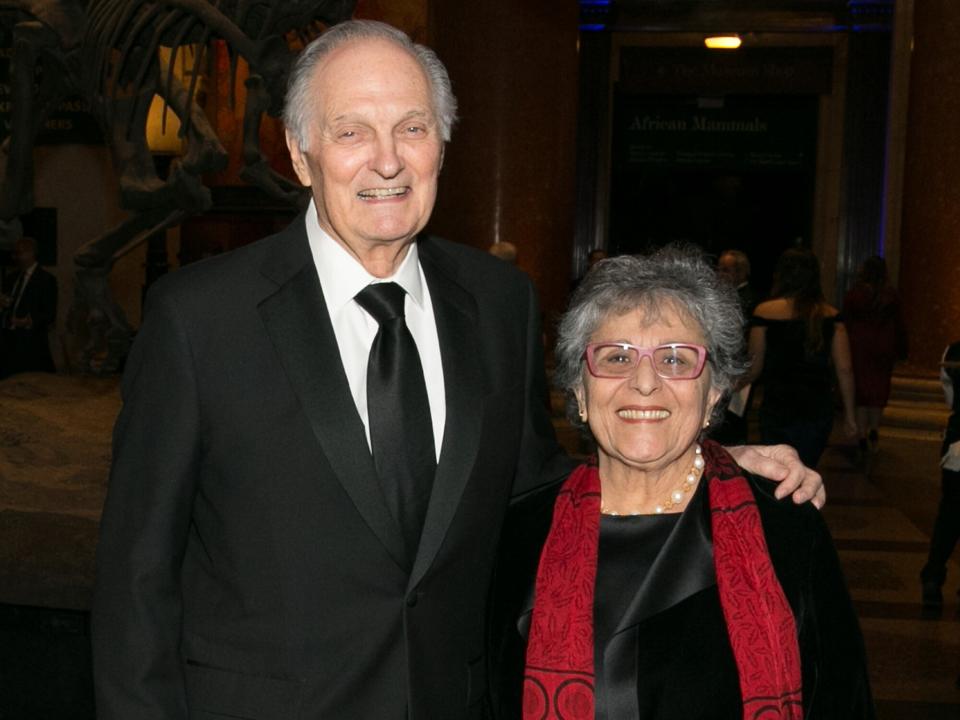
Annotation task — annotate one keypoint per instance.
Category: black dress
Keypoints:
(797, 407)
(669, 655)
(632, 553)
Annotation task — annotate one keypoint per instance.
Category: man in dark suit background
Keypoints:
(734, 267)
(27, 312)
(268, 548)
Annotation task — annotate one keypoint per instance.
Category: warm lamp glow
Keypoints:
(722, 42)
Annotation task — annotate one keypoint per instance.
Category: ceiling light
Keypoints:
(722, 42)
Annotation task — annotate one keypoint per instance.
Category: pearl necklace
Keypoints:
(676, 497)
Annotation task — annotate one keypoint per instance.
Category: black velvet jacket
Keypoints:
(671, 657)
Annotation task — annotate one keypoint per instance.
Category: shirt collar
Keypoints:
(341, 274)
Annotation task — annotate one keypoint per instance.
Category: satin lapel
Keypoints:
(683, 567)
(455, 311)
(526, 612)
(297, 321)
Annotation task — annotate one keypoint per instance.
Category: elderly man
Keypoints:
(321, 433)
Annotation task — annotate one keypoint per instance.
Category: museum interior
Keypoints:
(141, 137)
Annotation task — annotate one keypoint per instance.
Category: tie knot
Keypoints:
(382, 300)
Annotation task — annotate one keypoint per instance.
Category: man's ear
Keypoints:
(298, 159)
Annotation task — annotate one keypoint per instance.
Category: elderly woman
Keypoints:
(661, 580)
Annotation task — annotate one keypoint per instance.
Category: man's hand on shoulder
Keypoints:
(781, 464)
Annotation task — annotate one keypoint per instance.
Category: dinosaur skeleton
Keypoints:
(109, 52)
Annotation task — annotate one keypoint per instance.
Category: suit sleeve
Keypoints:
(542, 460)
(136, 616)
(833, 643)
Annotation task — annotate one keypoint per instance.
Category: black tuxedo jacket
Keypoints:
(248, 566)
(28, 349)
(670, 657)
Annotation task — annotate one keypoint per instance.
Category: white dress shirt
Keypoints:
(341, 278)
(23, 281)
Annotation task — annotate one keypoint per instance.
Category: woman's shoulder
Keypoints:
(765, 492)
(774, 309)
(792, 530)
(771, 508)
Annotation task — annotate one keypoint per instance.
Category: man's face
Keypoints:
(373, 145)
(25, 256)
(729, 270)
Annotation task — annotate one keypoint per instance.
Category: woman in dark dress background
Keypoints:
(871, 311)
(798, 344)
(662, 581)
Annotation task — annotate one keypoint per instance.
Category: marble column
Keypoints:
(508, 174)
(930, 232)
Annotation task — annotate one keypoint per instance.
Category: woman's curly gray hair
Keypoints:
(676, 274)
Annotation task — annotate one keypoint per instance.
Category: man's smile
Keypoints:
(382, 193)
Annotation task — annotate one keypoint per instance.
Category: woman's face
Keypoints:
(645, 421)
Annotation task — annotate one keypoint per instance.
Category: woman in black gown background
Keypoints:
(798, 344)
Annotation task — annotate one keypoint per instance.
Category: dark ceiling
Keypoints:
(745, 15)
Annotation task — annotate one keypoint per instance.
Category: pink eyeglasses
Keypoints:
(675, 361)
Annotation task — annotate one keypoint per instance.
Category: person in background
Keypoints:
(26, 315)
(733, 267)
(595, 256)
(946, 528)
(798, 343)
(662, 581)
(504, 250)
(878, 339)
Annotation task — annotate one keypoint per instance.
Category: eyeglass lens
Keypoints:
(672, 361)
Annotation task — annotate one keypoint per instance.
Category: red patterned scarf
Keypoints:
(559, 679)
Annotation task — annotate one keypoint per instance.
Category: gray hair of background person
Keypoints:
(678, 275)
(302, 104)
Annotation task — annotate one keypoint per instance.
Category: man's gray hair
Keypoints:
(676, 275)
(302, 104)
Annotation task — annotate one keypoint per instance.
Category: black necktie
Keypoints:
(401, 432)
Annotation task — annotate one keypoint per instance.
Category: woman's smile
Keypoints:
(643, 414)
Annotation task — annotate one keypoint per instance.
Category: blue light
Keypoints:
(593, 27)
(595, 3)
(870, 7)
